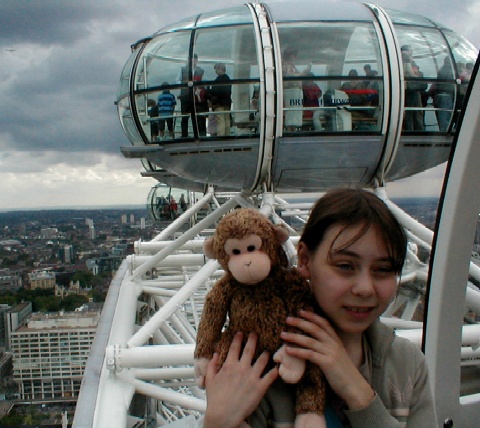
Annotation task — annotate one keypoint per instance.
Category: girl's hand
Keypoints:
(323, 347)
(235, 390)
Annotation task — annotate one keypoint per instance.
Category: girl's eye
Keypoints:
(251, 248)
(344, 266)
(386, 270)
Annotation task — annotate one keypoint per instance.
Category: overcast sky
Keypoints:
(60, 63)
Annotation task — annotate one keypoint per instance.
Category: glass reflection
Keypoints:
(233, 16)
(330, 57)
(399, 17)
(235, 47)
(185, 24)
(162, 59)
(430, 89)
(465, 55)
(128, 122)
(124, 85)
(224, 54)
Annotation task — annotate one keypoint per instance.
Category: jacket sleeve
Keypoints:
(422, 407)
(375, 415)
(406, 361)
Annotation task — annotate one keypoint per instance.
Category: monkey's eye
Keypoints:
(236, 251)
(251, 248)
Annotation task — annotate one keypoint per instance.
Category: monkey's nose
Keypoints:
(248, 264)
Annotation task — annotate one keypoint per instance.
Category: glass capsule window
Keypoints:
(190, 93)
(124, 85)
(432, 66)
(128, 121)
(426, 59)
(332, 77)
(162, 59)
(124, 109)
(229, 60)
(465, 56)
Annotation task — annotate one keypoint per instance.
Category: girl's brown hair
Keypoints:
(353, 207)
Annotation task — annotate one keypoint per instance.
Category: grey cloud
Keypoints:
(63, 99)
(49, 22)
(66, 102)
(37, 162)
(67, 117)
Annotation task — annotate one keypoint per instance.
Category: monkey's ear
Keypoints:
(208, 248)
(281, 233)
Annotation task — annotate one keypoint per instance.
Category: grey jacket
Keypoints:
(397, 371)
(400, 379)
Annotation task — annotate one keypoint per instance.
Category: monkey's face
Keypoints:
(246, 261)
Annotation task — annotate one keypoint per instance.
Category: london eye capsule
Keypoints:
(290, 99)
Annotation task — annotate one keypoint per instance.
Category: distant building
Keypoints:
(9, 244)
(14, 318)
(41, 279)
(3, 326)
(119, 250)
(124, 218)
(109, 263)
(50, 353)
(66, 254)
(132, 218)
(92, 266)
(142, 223)
(74, 288)
(22, 228)
(6, 368)
(49, 232)
(105, 264)
(10, 280)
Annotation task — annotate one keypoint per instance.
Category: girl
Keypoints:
(352, 251)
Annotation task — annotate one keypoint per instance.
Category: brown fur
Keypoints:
(260, 308)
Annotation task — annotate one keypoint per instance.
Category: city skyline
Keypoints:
(61, 138)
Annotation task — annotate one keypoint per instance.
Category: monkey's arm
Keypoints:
(213, 319)
(299, 294)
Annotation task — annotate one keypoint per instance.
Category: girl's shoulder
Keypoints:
(406, 352)
(386, 344)
(403, 386)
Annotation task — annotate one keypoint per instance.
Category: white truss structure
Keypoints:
(146, 337)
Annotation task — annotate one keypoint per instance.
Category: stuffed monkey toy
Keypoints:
(256, 294)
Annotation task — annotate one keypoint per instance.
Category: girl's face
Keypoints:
(352, 285)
